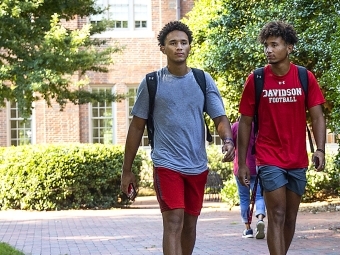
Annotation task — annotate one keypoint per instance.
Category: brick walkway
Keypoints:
(139, 231)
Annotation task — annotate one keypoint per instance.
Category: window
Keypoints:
(125, 14)
(131, 100)
(216, 138)
(102, 120)
(331, 137)
(20, 129)
(140, 14)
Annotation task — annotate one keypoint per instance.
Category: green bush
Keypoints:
(325, 184)
(229, 193)
(6, 249)
(228, 190)
(224, 169)
(146, 175)
(55, 177)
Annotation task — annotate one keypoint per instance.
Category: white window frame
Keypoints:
(132, 96)
(130, 31)
(28, 129)
(216, 138)
(112, 118)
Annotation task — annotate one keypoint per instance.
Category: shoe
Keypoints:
(259, 230)
(247, 233)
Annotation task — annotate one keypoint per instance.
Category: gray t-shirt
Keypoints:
(179, 136)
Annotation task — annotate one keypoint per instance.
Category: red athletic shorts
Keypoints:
(175, 190)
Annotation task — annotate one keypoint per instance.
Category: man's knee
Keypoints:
(291, 218)
(173, 220)
(277, 216)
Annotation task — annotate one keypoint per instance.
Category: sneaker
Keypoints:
(247, 233)
(259, 230)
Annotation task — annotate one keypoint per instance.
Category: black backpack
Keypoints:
(151, 80)
(259, 83)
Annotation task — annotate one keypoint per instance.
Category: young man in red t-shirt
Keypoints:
(281, 154)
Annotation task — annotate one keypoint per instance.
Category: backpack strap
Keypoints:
(258, 83)
(151, 81)
(303, 77)
(200, 79)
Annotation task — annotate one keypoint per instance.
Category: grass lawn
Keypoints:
(9, 250)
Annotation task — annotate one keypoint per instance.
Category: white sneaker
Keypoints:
(247, 233)
(259, 230)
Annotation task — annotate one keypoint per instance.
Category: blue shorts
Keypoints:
(273, 177)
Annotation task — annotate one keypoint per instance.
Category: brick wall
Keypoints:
(55, 126)
(186, 6)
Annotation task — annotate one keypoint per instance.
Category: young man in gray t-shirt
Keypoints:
(179, 155)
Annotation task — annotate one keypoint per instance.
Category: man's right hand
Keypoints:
(127, 178)
(244, 175)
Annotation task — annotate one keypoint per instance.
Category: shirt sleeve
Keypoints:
(141, 106)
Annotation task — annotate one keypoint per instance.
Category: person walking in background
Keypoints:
(243, 191)
(281, 155)
(178, 153)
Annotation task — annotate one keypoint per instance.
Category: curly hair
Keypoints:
(277, 29)
(172, 26)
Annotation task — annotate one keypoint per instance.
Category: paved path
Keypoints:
(139, 231)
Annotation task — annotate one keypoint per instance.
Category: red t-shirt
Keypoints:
(281, 139)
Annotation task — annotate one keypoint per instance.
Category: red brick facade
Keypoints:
(140, 56)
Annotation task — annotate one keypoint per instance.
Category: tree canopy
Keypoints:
(39, 53)
(225, 42)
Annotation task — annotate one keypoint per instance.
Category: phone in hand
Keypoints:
(316, 162)
(132, 192)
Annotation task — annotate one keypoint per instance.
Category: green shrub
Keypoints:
(6, 249)
(229, 193)
(325, 184)
(224, 169)
(71, 176)
(146, 175)
(228, 190)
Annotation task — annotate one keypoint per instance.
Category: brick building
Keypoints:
(136, 26)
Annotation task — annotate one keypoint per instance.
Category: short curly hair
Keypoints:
(277, 29)
(172, 26)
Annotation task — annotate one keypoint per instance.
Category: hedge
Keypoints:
(63, 176)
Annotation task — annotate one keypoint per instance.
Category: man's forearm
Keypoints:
(223, 127)
(131, 147)
(319, 132)
(243, 136)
